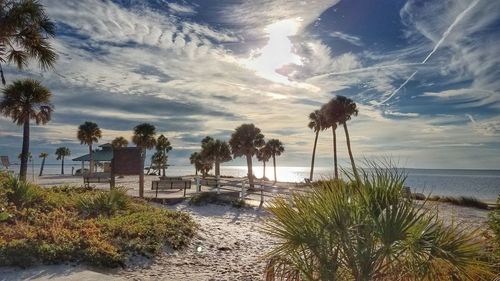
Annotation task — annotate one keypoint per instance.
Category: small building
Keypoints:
(103, 156)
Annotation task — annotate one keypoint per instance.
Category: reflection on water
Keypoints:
(483, 184)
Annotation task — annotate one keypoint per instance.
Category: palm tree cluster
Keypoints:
(334, 113)
(213, 152)
(246, 141)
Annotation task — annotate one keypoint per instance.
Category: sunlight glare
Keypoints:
(278, 51)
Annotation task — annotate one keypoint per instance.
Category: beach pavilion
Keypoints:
(103, 155)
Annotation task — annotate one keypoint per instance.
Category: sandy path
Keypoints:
(230, 247)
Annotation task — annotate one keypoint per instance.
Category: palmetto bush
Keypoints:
(367, 231)
(103, 202)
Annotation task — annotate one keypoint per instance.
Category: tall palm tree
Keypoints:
(61, 153)
(89, 133)
(216, 151)
(22, 101)
(25, 34)
(119, 142)
(348, 108)
(163, 146)
(264, 155)
(194, 159)
(246, 141)
(316, 123)
(42, 155)
(144, 138)
(275, 148)
(331, 114)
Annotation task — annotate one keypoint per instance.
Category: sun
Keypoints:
(278, 51)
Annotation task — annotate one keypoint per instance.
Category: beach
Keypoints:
(229, 244)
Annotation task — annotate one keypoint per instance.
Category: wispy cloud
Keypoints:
(346, 37)
(436, 46)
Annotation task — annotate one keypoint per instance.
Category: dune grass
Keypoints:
(71, 224)
(464, 201)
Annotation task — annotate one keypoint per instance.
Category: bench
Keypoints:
(170, 184)
(96, 178)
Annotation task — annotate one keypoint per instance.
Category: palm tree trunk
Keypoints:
(250, 173)
(163, 169)
(41, 167)
(335, 153)
(274, 164)
(350, 152)
(24, 153)
(264, 171)
(313, 156)
(62, 165)
(91, 161)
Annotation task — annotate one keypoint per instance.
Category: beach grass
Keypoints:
(72, 224)
(464, 201)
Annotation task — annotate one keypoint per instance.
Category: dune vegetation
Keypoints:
(367, 228)
(71, 224)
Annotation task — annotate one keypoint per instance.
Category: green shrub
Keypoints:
(204, 198)
(148, 231)
(20, 193)
(104, 202)
(464, 201)
(367, 230)
(53, 225)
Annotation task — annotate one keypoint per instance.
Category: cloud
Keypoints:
(354, 40)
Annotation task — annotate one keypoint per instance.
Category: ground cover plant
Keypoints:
(103, 228)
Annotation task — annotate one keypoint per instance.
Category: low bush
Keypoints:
(103, 202)
(204, 198)
(464, 201)
(99, 228)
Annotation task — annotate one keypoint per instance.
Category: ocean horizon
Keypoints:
(481, 184)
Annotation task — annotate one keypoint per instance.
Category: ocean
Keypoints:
(482, 184)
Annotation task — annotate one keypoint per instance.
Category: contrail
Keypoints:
(443, 37)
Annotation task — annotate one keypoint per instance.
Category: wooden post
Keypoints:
(217, 185)
(242, 193)
(141, 184)
(197, 183)
(261, 194)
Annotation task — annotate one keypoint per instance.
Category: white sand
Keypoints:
(228, 246)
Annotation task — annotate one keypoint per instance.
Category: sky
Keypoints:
(424, 74)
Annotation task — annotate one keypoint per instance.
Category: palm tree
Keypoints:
(89, 133)
(215, 151)
(160, 158)
(348, 108)
(144, 138)
(316, 123)
(331, 114)
(22, 101)
(246, 141)
(275, 147)
(42, 155)
(24, 34)
(194, 159)
(200, 163)
(119, 142)
(61, 153)
(264, 155)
